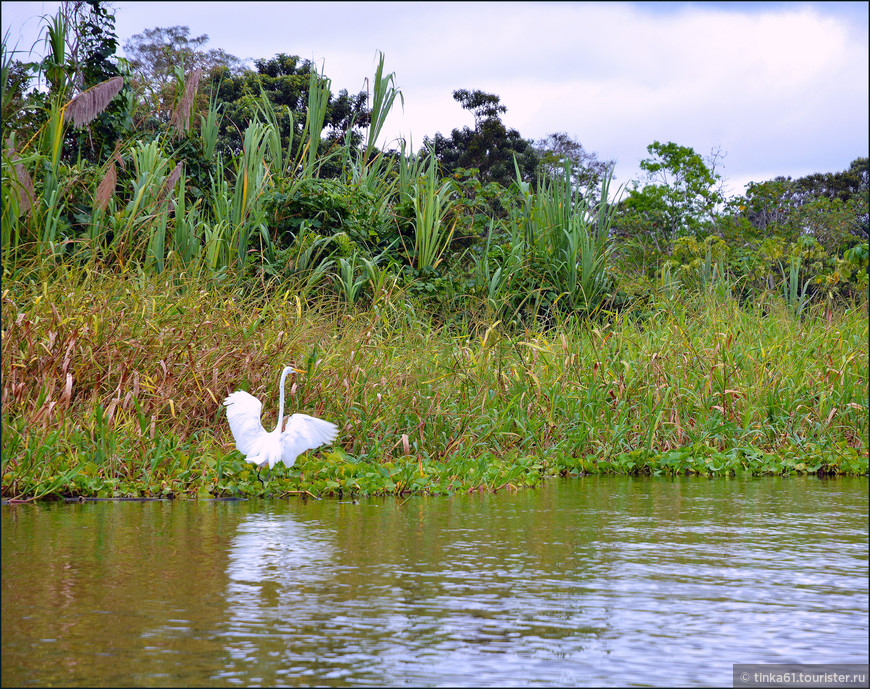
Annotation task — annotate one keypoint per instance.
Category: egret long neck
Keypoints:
(281, 398)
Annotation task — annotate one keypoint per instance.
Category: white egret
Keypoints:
(261, 447)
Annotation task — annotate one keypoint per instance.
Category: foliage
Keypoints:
(286, 81)
(587, 170)
(494, 328)
(569, 233)
(431, 203)
(383, 98)
(155, 53)
(489, 148)
(329, 207)
(679, 198)
(112, 385)
(832, 207)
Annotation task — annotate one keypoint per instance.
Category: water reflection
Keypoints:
(273, 562)
(276, 549)
(589, 582)
(398, 593)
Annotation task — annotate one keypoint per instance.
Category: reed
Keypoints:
(318, 101)
(794, 294)
(181, 114)
(112, 385)
(209, 128)
(84, 108)
(572, 232)
(431, 203)
(252, 179)
(384, 94)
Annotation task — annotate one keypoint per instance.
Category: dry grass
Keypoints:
(26, 194)
(181, 115)
(150, 359)
(106, 188)
(176, 352)
(170, 182)
(85, 107)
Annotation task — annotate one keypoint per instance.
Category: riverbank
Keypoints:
(112, 386)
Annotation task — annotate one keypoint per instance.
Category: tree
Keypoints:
(154, 53)
(836, 202)
(160, 55)
(484, 106)
(99, 42)
(586, 169)
(490, 147)
(16, 116)
(285, 79)
(833, 185)
(830, 206)
(680, 197)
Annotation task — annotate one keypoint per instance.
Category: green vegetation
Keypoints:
(169, 236)
(112, 384)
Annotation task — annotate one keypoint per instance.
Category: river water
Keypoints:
(593, 581)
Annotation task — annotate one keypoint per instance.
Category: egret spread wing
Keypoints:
(303, 433)
(243, 413)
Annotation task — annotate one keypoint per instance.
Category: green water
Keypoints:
(595, 581)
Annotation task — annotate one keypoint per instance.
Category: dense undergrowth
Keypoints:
(465, 334)
(112, 386)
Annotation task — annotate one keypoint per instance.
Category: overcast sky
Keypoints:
(782, 88)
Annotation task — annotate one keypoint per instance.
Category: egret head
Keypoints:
(284, 373)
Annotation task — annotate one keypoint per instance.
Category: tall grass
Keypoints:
(136, 366)
(138, 224)
(384, 94)
(318, 101)
(573, 231)
(430, 198)
(795, 295)
(374, 170)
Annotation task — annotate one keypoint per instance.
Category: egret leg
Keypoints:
(260, 475)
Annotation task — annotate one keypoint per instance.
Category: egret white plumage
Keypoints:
(285, 444)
